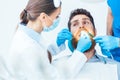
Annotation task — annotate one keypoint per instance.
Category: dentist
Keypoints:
(28, 57)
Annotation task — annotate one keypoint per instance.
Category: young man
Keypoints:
(81, 24)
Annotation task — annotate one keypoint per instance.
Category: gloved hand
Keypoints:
(106, 52)
(63, 35)
(84, 44)
(107, 42)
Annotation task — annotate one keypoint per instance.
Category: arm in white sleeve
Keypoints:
(54, 49)
(75, 63)
(33, 64)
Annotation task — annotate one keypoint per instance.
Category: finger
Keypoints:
(65, 36)
(101, 45)
(98, 38)
(99, 41)
(68, 37)
(64, 33)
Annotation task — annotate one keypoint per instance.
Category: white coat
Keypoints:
(28, 59)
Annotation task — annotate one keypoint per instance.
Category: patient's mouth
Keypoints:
(82, 32)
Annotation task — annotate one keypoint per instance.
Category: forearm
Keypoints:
(109, 22)
(54, 49)
(75, 63)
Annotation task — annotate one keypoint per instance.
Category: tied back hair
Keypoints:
(23, 17)
(34, 8)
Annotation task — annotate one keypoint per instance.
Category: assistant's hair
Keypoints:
(34, 8)
(78, 12)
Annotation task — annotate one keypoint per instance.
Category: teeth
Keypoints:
(84, 34)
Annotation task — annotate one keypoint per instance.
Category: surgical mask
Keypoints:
(53, 26)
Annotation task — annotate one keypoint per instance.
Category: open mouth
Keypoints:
(82, 32)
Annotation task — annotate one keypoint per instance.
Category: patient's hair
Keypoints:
(82, 12)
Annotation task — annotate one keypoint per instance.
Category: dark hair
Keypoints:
(80, 11)
(34, 8)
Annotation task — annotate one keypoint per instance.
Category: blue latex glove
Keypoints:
(63, 35)
(106, 52)
(107, 42)
(84, 44)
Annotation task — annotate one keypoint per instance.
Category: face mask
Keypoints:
(53, 26)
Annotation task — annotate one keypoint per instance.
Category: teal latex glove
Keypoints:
(107, 42)
(106, 52)
(62, 36)
(84, 44)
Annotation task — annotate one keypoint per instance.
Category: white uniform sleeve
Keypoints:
(41, 68)
(76, 62)
(54, 49)
(70, 65)
(33, 64)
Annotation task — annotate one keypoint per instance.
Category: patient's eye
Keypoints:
(75, 24)
(85, 22)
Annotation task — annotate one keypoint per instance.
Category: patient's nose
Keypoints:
(81, 26)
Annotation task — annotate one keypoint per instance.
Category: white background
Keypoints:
(10, 10)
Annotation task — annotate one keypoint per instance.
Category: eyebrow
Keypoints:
(85, 19)
(78, 20)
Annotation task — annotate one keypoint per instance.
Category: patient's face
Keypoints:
(81, 21)
(81, 25)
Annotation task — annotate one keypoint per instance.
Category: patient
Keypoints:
(81, 24)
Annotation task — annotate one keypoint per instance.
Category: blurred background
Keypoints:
(10, 11)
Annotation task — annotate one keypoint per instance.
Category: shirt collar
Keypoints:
(98, 58)
(30, 32)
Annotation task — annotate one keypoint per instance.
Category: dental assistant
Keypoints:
(28, 57)
(112, 41)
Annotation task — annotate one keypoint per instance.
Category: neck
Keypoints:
(89, 54)
(35, 25)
